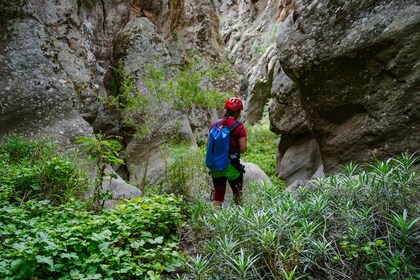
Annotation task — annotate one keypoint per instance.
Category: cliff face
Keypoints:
(55, 60)
(352, 80)
(342, 76)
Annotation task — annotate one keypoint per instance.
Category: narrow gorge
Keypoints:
(340, 79)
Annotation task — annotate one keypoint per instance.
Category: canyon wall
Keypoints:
(340, 79)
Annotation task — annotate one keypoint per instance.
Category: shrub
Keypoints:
(103, 152)
(137, 239)
(32, 169)
(186, 173)
(164, 94)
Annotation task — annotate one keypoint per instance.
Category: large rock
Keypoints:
(245, 28)
(299, 158)
(286, 113)
(355, 64)
(298, 153)
(118, 188)
(254, 174)
(53, 57)
(137, 45)
(36, 96)
(249, 30)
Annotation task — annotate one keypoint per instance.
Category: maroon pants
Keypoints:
(220, 184)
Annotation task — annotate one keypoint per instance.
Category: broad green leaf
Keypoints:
(47, 260)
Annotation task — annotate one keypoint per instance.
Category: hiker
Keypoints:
(237, 145)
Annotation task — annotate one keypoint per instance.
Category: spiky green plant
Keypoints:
(198, 267)
(359, 224)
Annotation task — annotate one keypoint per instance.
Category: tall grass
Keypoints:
(362, 223)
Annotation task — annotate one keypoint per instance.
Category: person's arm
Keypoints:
(242, 145)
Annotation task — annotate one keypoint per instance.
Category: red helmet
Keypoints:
(234, 104)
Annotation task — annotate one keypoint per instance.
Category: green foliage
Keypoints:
(191, 85)
(103, 152)
(198, 267)
(262, 148)
(38, 170)
(164, 94)
(135, 240)
(359, 224)
(186, 173)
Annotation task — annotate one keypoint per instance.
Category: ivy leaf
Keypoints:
(15, 264)
(158, 240)
(69, 256)
(47, 260)
(19, 246)
(75, 274)
(107, 232)
(137, 244)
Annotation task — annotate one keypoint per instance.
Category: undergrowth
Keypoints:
(38, 170)
(362, 223)
(262, 148)
(138, 239)
(49, 231)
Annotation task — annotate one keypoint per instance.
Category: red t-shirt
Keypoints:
(238, 132)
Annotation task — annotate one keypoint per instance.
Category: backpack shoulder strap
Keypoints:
(233, 126)
(219, 123)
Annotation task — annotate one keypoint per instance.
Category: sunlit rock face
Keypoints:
(356, 77)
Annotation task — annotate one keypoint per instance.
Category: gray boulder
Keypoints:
(118, 188)
(254, 174)
(36, 97)
(355, 64)
(300, 160)
(298, 153)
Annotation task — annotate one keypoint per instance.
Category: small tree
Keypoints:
(169, 90)
(104, 152)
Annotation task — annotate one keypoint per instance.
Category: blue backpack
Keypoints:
(218, 146)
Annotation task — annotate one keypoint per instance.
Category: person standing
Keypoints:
(234, 172)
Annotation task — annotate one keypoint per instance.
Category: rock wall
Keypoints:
(352, 79)
(249, 30)
(55, 60)
(36, 97)
(342, 76)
